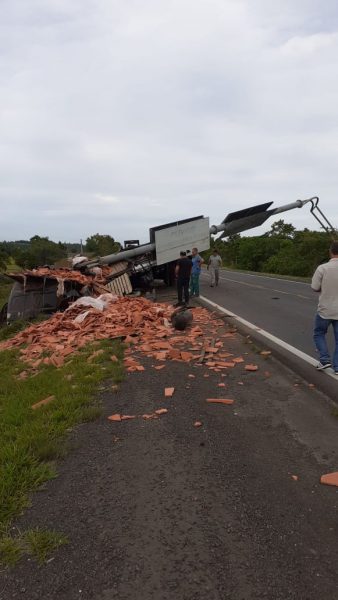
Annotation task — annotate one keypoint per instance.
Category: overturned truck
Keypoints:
(136, 269)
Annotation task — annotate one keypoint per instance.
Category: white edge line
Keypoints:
(311, 361)
(265, 277)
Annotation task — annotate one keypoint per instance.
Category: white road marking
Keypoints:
(311, 361)
(261, 287)
(267, 277)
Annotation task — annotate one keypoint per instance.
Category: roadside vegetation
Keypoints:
(5, 288)
(31, 441)
(40, 251)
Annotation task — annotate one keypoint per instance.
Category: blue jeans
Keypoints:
(319, 336)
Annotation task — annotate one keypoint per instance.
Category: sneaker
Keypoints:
(321, 367)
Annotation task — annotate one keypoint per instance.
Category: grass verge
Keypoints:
(5, 288)
(38, 543)
(31, 440)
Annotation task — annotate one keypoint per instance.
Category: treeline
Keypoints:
(39, 251)
(283, 250)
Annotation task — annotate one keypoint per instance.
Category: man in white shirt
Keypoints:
(325, 281)
(214, 264)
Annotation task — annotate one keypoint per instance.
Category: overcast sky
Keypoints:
(116, 115)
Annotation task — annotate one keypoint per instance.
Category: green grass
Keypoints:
(37, 542)
(5, 288)
(31, 440)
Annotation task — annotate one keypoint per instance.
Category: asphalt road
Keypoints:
(282, 307)
(162, 510)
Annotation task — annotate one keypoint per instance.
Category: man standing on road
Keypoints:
(214, 264)
(197, 261)
(182, 273)
(325, 281)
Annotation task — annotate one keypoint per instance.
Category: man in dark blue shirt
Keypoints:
(182, 273)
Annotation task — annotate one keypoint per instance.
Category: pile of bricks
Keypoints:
(141, 324)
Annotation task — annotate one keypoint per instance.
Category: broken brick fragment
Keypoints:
(220, 401)
(42, 402)
(330, 479)
(115, 417)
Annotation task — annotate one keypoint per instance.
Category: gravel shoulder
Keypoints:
(162, 510)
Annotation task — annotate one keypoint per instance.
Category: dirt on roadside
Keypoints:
(202, 501)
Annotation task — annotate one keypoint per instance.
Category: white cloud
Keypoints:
(118, 116)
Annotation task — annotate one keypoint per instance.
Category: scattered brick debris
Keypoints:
(251, 368)
(161, 411)
(43, 402)
(198, 424)
(142, 324)
(94, 355)
(294, 477)
(115, 417)
(220, 401)
(265, 352)
(187, 356)
(169, 392)
(330, 479)
(149, 416)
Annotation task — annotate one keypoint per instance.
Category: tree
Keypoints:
(4, 256)
(102, 245)
(40, 251)
(282, 230)
(3, 262)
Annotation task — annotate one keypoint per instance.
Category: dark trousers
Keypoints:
(183, 287)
